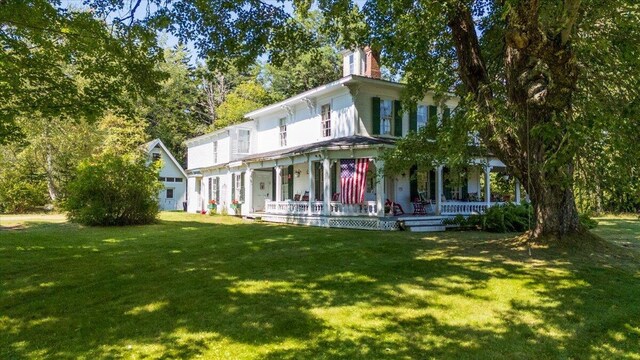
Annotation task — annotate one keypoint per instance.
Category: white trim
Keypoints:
(152, 144)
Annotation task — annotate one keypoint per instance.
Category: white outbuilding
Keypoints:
(172, 176)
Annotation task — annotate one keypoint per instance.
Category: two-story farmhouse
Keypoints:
(315, 159)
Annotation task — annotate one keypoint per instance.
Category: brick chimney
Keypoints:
(372, 63)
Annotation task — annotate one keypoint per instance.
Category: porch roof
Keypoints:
(347, 142)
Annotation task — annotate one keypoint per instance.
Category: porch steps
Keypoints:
(423, 224)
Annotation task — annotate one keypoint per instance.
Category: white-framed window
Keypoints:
(238, 180)
(170, 193)
(156, 156)
(214, 189)
(352, 64)
(283, 132)
(422, 116)
(215, 152)
(243, 141)
(386, 116)
(325, 111)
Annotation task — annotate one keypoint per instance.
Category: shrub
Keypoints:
(113, 190)
(507, 218)
(19, 194)
(587, 222)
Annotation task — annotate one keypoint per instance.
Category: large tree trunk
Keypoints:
(540, 77)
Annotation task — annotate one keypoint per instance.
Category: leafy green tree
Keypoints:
(114, 189)
(46, 50)
(313, 67)
(246, 97)
(174, 114)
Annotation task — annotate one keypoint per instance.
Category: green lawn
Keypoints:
(195, 286)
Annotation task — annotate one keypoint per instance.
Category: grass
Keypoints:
(220, 288)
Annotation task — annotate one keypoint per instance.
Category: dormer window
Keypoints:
(155, 156)
(243, 141)
(386, 116)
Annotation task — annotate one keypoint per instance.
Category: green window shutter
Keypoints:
(242, 187)
(217, 190)
(233, 187)
(413, 183)
(290, 181)
(375, 116)
(432, 185)
(397, 118)
(433, 115)
(334, 181)
(446, 115)
(465, 188)
(446, 188)
(273, 184)
(413, 119)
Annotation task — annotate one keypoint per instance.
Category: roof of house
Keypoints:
(157, 142)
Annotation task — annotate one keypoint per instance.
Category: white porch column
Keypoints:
(248, 192)
(517, 191)
(278, 183)
(380, 187)
(487, 185)
(439, 189)
(312, 186)
(326, 167)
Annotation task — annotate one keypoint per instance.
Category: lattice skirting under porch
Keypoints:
(334, 222)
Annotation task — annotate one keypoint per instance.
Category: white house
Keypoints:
(172, 176)
(288, 161)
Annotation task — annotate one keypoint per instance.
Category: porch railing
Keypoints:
(465, 208)
(369, 208)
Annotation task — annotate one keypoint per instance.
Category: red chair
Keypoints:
(335, 197)
(395, 208)
(418, 207)
(296, 197)
(305, 197)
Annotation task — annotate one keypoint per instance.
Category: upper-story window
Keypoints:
(422, 116)
(283, 132)
(215, 152)
(326, 120)
(351, 64)
(386, 116)
(243, 141)
(156, 156)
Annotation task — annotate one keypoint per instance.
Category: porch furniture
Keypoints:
(305, 197)
(418, 207)
(296, 197)
(335, 197)
(394, 208)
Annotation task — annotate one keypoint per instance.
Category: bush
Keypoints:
(507, 218)
(21, 195)
(113, 190)
(587, 222)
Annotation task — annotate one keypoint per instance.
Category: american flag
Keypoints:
(353, 174)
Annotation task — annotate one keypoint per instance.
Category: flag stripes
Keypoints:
(353, 173)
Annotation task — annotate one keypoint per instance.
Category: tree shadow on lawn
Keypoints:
(176, 289)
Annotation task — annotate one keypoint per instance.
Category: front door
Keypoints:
(262, 188)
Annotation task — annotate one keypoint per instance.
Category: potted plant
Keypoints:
(213, 207)
(236, 206)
